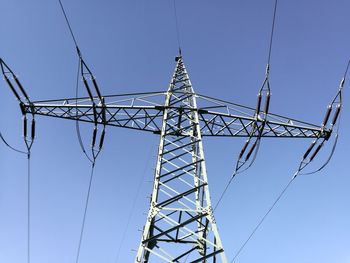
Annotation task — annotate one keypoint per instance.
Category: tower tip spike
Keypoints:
(179, 56)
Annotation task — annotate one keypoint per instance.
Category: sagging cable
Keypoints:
(246, 158)
(28, 135)
(24, 104)
(99, 113)
(99, 116)
(327, 128)
(23, 100)
(86, 75)
(8, 75)
(257, 127)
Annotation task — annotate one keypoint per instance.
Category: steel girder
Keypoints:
(144, 111)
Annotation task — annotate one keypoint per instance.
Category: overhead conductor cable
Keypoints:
(336, 107)
(87, 75)
(28, 136)
(247, 155)
(337, 103)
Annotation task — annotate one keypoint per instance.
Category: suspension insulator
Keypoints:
(267, 103)
(24, 126)
(94, 134)
(243, 149)
(103, 110)
(33, 129)
(258, 105)
(96, 87)
(309, 149)
(102, 138)
(336, 115)
(326, 117)
(87, 88)
(21, 88)
(316, 152)
(251, 151)
(12, 88)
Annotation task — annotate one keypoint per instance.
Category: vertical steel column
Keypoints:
(180, 226)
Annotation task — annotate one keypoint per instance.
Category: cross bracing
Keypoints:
(145, 111)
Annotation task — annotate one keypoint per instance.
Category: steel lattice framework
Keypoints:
(180, 225)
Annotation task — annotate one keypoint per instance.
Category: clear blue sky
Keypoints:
(130, 46)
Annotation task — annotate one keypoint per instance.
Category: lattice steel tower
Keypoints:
(180, 209)
(180, 225)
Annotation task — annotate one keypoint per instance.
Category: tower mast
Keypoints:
(180, 209)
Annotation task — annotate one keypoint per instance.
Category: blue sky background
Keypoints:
(130, 46)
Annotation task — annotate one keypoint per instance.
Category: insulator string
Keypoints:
(294, 176)
(9, 146)
(92, 159)
(77, 126)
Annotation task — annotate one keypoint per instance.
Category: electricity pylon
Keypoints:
(180, 225)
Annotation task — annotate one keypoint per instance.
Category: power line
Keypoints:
(9, 146)
(337, 104)
(265, 86)
(85, 212)
(272, 32)
(177, 27)
(262, 219)
(68, 24)
(134, 203)
(28, 207)
(236, 172)
(77, 127)
(339, 96)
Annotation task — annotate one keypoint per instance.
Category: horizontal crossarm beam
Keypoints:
(132, 117)
(144, 111)
(229, 125)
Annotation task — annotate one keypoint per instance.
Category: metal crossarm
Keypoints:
(149, 117)
(133, 117)
(221, 124)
